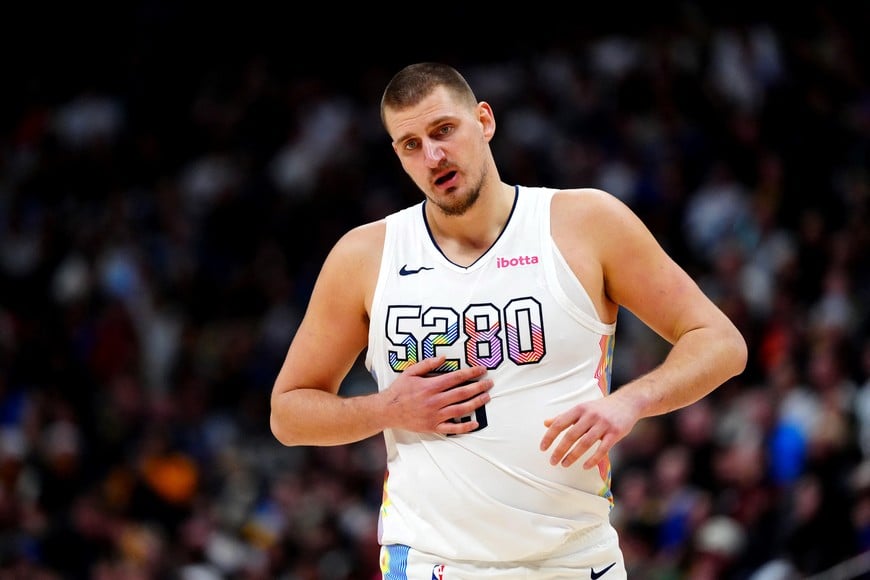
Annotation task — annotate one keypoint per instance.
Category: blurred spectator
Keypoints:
(167, 192)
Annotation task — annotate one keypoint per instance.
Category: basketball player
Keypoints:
(488, 311)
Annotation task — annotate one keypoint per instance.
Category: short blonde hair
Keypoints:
(415, 82)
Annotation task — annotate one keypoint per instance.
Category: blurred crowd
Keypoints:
(162, 221)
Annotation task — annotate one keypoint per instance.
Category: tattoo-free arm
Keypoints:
(637, 274)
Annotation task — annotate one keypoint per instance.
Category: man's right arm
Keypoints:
(305, 406)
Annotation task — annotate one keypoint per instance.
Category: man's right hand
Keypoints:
(423, 402)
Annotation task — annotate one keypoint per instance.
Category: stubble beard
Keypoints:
(461, 203)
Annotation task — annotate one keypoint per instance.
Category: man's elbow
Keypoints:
(279, 430)
(282, 425)
(738, 352)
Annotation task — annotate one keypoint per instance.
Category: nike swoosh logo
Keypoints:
(406, 272)
(595, 575)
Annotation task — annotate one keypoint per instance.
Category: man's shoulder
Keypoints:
(370, 233)
(582, 192)
(357, 253)
(591, 212)
(589, 199)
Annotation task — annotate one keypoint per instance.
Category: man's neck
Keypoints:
(464, 238)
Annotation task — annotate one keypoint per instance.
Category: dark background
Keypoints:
(173, 173)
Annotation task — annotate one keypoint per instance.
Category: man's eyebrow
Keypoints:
(402, 138)
(434, 123)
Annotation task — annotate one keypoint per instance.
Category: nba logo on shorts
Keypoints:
(438, 572)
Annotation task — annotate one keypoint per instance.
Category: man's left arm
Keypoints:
(707, 348)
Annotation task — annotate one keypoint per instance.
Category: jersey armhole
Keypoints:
(566, 288)
(383, 271)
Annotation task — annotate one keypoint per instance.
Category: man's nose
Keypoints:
(433, 153)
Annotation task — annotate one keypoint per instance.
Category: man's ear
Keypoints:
(486, 118)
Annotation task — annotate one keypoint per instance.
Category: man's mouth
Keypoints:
(445, 178)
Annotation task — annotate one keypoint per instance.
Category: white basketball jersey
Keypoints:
(492, 495)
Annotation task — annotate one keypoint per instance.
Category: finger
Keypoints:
(426, 366)
(593, 444)
(465, 406)
(605, 444)
(470, 374)
(577, 451)
(574, 443)
(554, 428)
(467, 391)
(460, 376)
(456, 428)
(569, 440)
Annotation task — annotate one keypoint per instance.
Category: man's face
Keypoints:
(442, 145)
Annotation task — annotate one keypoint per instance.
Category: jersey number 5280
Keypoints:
(487, 334)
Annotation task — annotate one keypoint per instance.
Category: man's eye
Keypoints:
(411, 145)
(445, 130)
